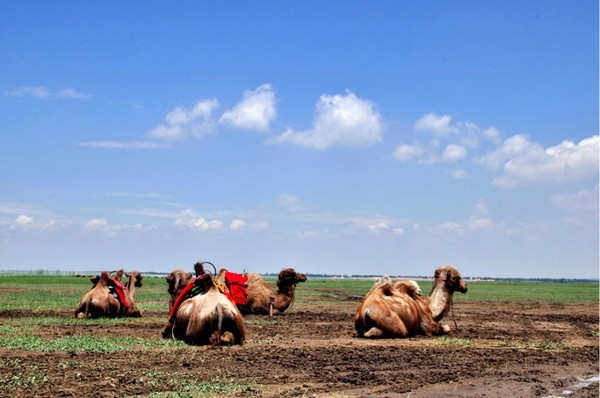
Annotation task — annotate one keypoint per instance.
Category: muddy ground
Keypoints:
(499, 350)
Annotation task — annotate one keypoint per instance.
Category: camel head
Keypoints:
(137, 278)
(119, 275)
(199, 268)
(452, 278)
(205, 282)
(177, 279)
(289, 277)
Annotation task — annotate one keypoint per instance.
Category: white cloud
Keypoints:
(404, 153)
(101, 225)
(453, 153)
(341, 120)
(563, 163)
(96, 224)
(377, 227)
(182, 122)
(123, 144)
(237, 224)
(290, 202)
(190, 220)
(479, 220)
(493, 135)
(25, 222)
(584, 200)
(456, 139)
(480, 223)
(511, 148)
(44, 93)
(255, 112)
(439, 125)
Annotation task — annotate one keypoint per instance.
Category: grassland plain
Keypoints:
(510, 338)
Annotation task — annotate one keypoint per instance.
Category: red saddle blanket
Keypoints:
(238, 287)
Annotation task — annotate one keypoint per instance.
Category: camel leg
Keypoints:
(227, 338)
(393, 328)
(373, 333)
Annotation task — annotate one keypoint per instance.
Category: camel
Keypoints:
(262, 297)
(100, 301)
(207, 318)
(398, 310)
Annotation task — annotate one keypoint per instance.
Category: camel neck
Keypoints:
(440, 299)
(131, 286)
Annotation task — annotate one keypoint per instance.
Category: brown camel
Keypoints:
(100, 301)
(176, 281)
(398, 310)
(262, 297)
(207, 318)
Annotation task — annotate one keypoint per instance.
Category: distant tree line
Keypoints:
(316, 276)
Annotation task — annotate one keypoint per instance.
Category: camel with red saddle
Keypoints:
(262, 298)
(398, 310)
(201, 314)
(109, 297)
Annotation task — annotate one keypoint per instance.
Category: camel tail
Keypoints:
(215, 338)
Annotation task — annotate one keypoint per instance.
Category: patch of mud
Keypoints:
(499, 350)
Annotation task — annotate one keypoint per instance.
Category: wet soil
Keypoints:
(494, 350)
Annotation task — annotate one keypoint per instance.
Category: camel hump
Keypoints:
(387, 288)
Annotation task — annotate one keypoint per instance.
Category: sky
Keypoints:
(335, 137)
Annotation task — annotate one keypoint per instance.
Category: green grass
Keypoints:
(565, 293)
(25, 339)
(62, 293)
(215, 387)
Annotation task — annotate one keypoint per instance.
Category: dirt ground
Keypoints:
(498, 350)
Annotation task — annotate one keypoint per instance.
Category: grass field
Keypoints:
(44, 293)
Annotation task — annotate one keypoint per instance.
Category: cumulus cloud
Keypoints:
(191, 220)
(432, 122)
(453, 153)
(341, 120)
(95, 224)
(524, 161)
(186, 122)
(456, 139)
(23, 220)
(511, 148)
(237, 224)
(41, 92)
(26, 222)
(404, 153)
(255, 111)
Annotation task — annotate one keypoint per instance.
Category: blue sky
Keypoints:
(334, 137)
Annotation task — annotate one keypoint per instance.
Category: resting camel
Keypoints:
(397, 310)
(100, 301)
(262, 297)
(207, 318)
